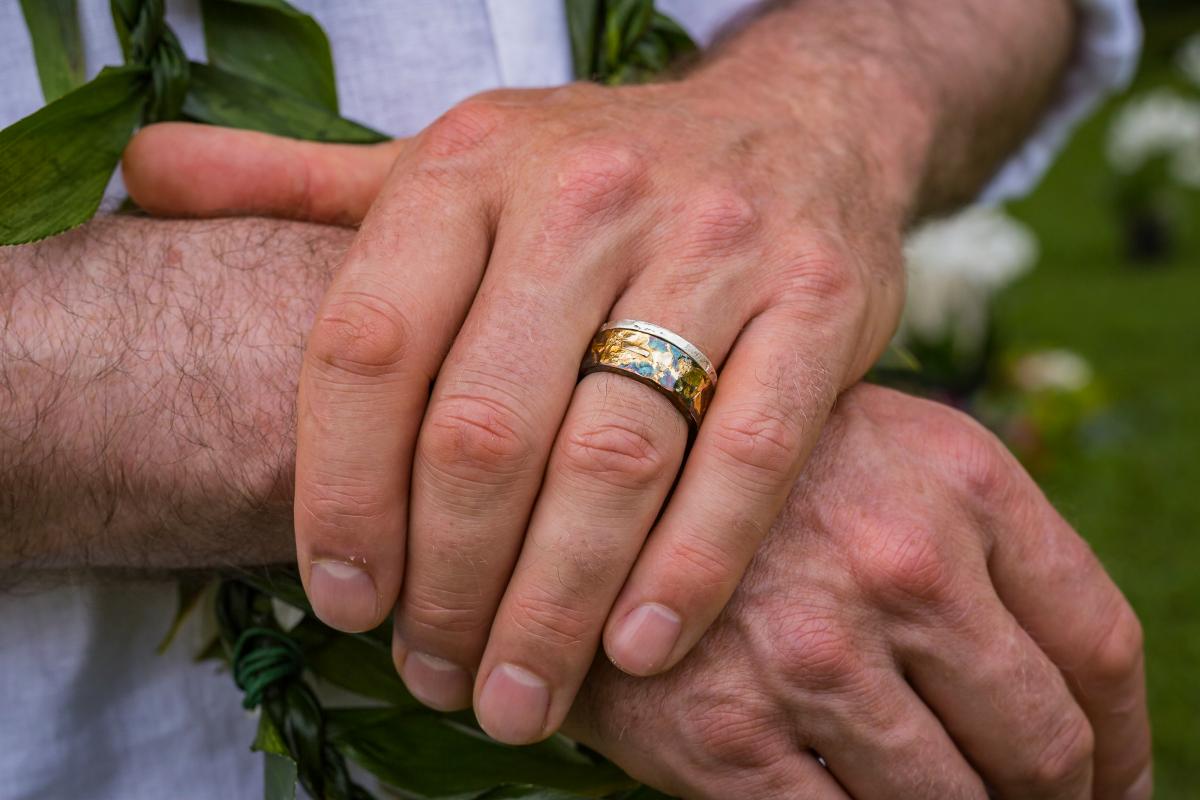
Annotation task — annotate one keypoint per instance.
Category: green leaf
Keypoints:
(56, 163)
(435, 755)
(170, 73)
(279, 777)
(625, 22)
(644, 793)
(673, 33)
(57, 46)
(359, 664)
(583, 19)
(279, 769)
(636, 22)
(898, 357)
(267, 738)
(270, 42)
(527, 793)
(652, 53)
(281, 582)
(221, 98)
(188, 591)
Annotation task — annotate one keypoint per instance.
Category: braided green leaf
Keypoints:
(56, 163)
(423, 753)
(222, 98)
(623, 41)
(583, 21)
(147, 41)
(57, 46)
(270, 42)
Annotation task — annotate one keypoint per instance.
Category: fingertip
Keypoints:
(514, 705)
(643, 642)
(1143, 786)
(153, 162)
(191, 170)
(343, 596)
(435, 682)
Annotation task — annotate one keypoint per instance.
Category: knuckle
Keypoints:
(734, 733)
(977, 461)
(339, 508)
(758, 441)
(591, 181)
(471, 436)
(984, 476)
(821, 277)
(549, 620)
(443, 610)
(360, 335)
(907, 571)
(719, 220)
(465, 128)
(1065, 758)
(709, 561)
(1116, 657)
(814, 653)
(617, 452)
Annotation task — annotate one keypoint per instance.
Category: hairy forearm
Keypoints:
(147, 380)
(928, 96)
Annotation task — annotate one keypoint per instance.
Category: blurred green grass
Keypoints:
(1136, 498)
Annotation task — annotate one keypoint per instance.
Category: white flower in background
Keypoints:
(1185, 166)
(286, 614)
(1188, 58)
(1053, 370)
(1161, 123)
(955, 265)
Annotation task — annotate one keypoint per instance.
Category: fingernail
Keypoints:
(343, 596)
(513, 705)
(436, 682)
(1143, 787)
(643, 641)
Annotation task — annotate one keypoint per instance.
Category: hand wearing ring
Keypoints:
(531, 513)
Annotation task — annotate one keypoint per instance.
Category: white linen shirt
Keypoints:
(86, 707)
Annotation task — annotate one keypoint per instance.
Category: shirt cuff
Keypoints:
(1106, 56)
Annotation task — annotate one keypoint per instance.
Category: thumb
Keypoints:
(181, 169)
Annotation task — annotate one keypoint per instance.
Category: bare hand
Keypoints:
(921, 618)
(503, 237)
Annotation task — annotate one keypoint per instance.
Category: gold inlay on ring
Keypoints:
(667, 363)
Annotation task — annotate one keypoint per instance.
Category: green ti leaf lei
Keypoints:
(269, 69)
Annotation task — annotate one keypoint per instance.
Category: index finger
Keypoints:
(378, 339)
(183, 169)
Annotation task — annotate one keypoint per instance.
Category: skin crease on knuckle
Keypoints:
(357, 336)
(543, 617)
(1064, 762)
(475, 438)
(617, 452)
(465, 128)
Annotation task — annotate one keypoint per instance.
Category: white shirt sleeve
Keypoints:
(1106, 56)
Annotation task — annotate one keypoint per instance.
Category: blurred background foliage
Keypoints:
(1087, 361)
(1135, 494)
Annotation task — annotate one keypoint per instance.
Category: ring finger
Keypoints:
(613, 464)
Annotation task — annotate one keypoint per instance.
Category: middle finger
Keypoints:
(497, 403)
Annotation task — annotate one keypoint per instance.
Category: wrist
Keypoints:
(836, 102)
